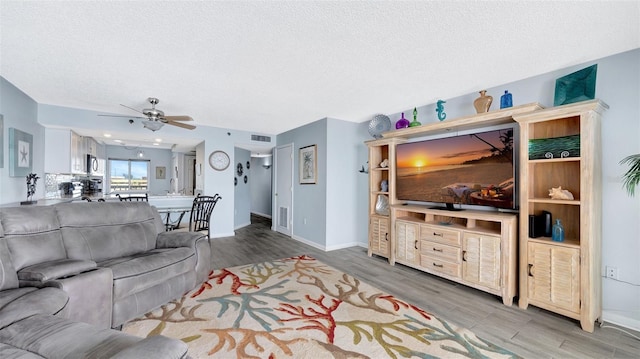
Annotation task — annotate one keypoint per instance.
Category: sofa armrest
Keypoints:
(174, 239)
(157, 346)
(46, 271)
(199, 242)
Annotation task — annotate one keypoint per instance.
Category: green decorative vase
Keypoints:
(415, 122)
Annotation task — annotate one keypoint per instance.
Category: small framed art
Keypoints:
(308, 164)
(20, 153)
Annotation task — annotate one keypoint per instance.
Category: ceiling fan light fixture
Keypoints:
(152, 125)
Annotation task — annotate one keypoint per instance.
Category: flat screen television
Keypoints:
(474, 169)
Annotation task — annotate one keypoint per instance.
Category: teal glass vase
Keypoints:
(557, 233)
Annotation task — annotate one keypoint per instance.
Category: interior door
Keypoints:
(190, 177)
(283, 195)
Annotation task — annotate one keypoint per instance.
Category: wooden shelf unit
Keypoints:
(563, 277)
(379, 224)
(475, 248)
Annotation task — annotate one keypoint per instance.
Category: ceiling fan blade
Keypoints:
(120, 116)
(131, 108)
(180, 124)
(178, 118)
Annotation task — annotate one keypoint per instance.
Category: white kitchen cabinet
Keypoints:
(65, 152)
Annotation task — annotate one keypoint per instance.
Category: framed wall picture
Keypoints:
(20, 153)
(308, 164)
(161, 172)
(1, 141)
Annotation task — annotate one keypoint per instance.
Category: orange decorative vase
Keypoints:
(483, 102)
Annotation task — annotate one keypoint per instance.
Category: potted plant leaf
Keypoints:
(632, 177)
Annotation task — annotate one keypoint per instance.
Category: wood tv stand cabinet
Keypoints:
(475, 248)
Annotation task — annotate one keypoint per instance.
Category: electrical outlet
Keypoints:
(304, 221)
(611, 272)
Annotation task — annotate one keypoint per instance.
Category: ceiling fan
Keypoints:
(154, 118)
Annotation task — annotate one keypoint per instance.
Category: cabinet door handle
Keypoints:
(438, 234)
(386, 237)
(530, 270)
(464, 256)
(415, 245)
(438, 265)
(437, 250)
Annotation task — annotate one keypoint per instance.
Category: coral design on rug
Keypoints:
(301, 308)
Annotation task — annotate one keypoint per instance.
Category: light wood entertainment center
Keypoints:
(491, 250)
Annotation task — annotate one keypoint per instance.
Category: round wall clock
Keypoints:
(239, 169)
(219, 160)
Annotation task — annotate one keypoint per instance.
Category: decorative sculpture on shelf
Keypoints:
(440, 110)
(559, 193)
(415, 122)
(32, 179)
(384, 163)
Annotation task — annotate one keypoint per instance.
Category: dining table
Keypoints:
(172, 216)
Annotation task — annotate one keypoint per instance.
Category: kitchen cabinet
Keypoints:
(65, 152)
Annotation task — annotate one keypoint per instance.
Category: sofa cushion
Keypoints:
(54, 337)
(108, 230)
(26, 303)
(10, 352)
(141, 271)
(32, 235)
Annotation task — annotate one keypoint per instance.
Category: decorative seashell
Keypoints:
(559, 193)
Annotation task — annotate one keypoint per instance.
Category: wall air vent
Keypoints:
(260, 138)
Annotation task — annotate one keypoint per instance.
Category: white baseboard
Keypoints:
(262, 214)
(331, 248)
(342, 246)
(308, 242)
(622, 320)
(222, 235)
(242, 225)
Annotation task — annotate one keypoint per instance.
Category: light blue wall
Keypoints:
(335, 209)
(346, 187)
(155, 156)
(309, 200)
(618, 85)
(20, 112)
(242, 192)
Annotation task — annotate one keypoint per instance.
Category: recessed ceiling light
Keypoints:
(107, 135)
(158, 139)
(119, 141)
(156, 144)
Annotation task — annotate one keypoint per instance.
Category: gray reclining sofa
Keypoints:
(72, 271)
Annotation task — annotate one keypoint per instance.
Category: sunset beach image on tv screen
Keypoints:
(475, 169)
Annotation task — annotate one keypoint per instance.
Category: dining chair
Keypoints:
(133, 197)
(201, 211)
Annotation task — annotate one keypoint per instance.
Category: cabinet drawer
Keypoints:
(438, 265)
(440, 235)
(440, 251)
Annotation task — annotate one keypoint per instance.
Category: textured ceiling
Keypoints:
(267, 66)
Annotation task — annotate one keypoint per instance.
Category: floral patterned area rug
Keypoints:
(301, 308)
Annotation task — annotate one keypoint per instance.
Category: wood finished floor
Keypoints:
(531, 333)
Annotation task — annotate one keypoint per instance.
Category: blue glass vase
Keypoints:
(557, 233)
(506, 100)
